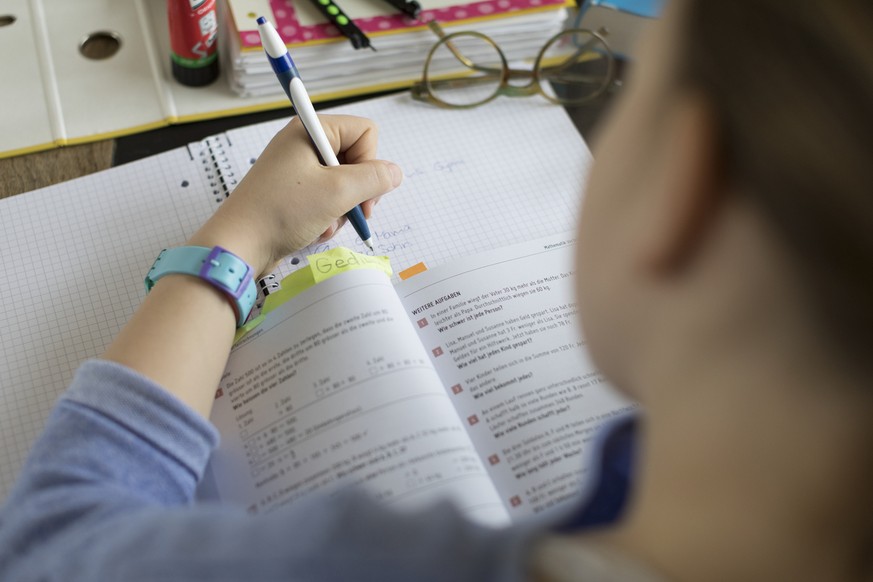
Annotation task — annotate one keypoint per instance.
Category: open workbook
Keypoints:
(469, 381)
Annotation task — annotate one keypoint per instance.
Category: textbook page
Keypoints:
(502, 331)
(335, 389)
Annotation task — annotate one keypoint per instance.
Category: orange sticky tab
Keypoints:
(412, 271)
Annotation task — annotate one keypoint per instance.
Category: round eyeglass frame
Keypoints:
(424, 89)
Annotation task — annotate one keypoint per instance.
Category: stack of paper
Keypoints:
(332, 68)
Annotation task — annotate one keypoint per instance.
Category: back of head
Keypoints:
(792, 85)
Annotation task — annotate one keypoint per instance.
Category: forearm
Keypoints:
(180, 338)
(181, 335)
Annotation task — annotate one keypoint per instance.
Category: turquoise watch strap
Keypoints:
(217, 266)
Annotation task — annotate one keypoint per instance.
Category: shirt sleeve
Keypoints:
(107, 494)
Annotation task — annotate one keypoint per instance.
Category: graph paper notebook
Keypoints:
(74, 255)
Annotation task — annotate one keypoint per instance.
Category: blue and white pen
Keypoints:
(289, 78)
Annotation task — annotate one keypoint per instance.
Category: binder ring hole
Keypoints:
(6, 20)
(100, 45)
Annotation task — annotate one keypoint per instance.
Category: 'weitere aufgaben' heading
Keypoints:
(436, 301)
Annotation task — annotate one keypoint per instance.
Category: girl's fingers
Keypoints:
(356, 138)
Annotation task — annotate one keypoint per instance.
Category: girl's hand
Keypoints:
(288, 199)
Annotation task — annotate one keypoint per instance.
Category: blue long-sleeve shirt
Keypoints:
(107, 493)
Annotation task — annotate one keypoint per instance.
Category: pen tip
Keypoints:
(369, 244)
(262, 20)
(372, 48)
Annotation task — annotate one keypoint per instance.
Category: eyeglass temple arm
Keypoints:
(438, 30)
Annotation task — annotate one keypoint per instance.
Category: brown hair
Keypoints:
(792, 85)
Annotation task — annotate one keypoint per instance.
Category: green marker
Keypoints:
(338, 18)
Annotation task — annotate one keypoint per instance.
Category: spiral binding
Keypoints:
(220, 176)
(266, 286)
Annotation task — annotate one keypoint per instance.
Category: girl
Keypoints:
(725, 282)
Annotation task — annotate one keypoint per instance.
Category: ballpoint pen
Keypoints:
(290, 80)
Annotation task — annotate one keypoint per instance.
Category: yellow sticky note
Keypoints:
(291, 286)
(322, 266)
(339, 260)
(244, 330)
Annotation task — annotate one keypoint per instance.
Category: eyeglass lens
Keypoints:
(574, 67)
(464, 70)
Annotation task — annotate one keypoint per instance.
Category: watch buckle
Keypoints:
(208, 265)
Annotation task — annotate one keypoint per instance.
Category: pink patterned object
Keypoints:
(293, 33)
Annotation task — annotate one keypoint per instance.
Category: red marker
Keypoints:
(193, 41)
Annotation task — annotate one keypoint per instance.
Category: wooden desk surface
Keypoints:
(32, 171)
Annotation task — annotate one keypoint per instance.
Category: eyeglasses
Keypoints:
(467, 69)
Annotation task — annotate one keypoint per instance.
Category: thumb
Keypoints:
(365, 180)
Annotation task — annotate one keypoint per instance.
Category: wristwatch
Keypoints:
(217, 266)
